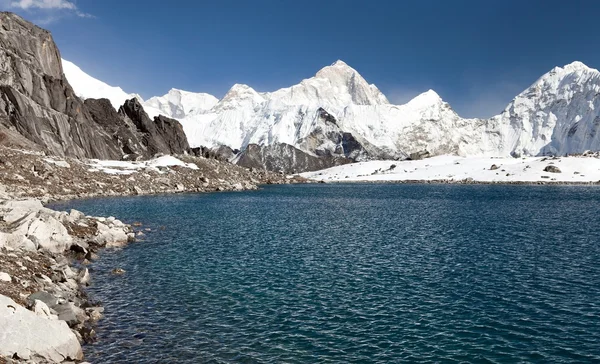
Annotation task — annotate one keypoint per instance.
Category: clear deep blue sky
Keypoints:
(476, 54)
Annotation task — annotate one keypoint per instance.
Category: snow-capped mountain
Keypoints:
(559, 114)
(179, 104)
(338, 113)
(314, 115)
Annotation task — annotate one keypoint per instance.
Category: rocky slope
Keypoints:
(28, 174)
(45, 315)
(39, 109)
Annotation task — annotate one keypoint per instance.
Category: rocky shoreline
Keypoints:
(464, 182)
(45, 313)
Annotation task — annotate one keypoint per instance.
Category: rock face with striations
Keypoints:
(159, 135)
(39, 110)
(285, 158)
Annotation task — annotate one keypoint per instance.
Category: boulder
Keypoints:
(28, 335)
(118, 271)
(110, 237)
(45, 297)
(42, 309)
(5, 277)
(552, 169)
(422, 154)
(16, 241)
(69, 313)
(15, 210)
(49, 234)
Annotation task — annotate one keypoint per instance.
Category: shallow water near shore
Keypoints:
(353, 273)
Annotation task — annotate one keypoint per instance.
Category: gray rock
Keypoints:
(286, 158)
(95, 313)
(80, 247)
(28, 335)
(419, 155)
(552, 169)
(5, 277)
(41, 309)
(69, 313)
(161, 135)
(110, 237)
(50, 300)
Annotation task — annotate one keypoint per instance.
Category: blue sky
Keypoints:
(476, 54)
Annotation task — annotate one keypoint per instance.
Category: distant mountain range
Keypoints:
(332, 118)
(558, 114)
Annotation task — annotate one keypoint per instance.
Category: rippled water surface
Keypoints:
(354, 273)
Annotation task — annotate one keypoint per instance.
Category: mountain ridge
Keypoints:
(557, 114)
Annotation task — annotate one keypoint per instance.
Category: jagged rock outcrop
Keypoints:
(36, 101)
(222, 152)
(285, 158)
(39, 109)
(161, 135)
(122, 129)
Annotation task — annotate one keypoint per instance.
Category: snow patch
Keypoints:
(129, 167)
(477, 169)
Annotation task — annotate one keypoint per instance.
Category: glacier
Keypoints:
(558, 114)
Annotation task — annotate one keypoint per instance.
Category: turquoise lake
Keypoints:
(353, 273)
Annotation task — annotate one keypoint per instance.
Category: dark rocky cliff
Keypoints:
(39, 110)
(285, 158)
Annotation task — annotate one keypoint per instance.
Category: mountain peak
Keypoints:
(426, 99)
(336, 70)
(339, 63)
(572, 67)
(576, 66)
(238, 96)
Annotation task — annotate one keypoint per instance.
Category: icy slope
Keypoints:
(178, 104)
(87, 87)
(559, 114)
(174, 102)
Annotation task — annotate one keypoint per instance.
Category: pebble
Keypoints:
(5, 277)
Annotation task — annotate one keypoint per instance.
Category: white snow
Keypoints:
(454, 168)
(129, 167)
(179, 104)
(87, 87)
